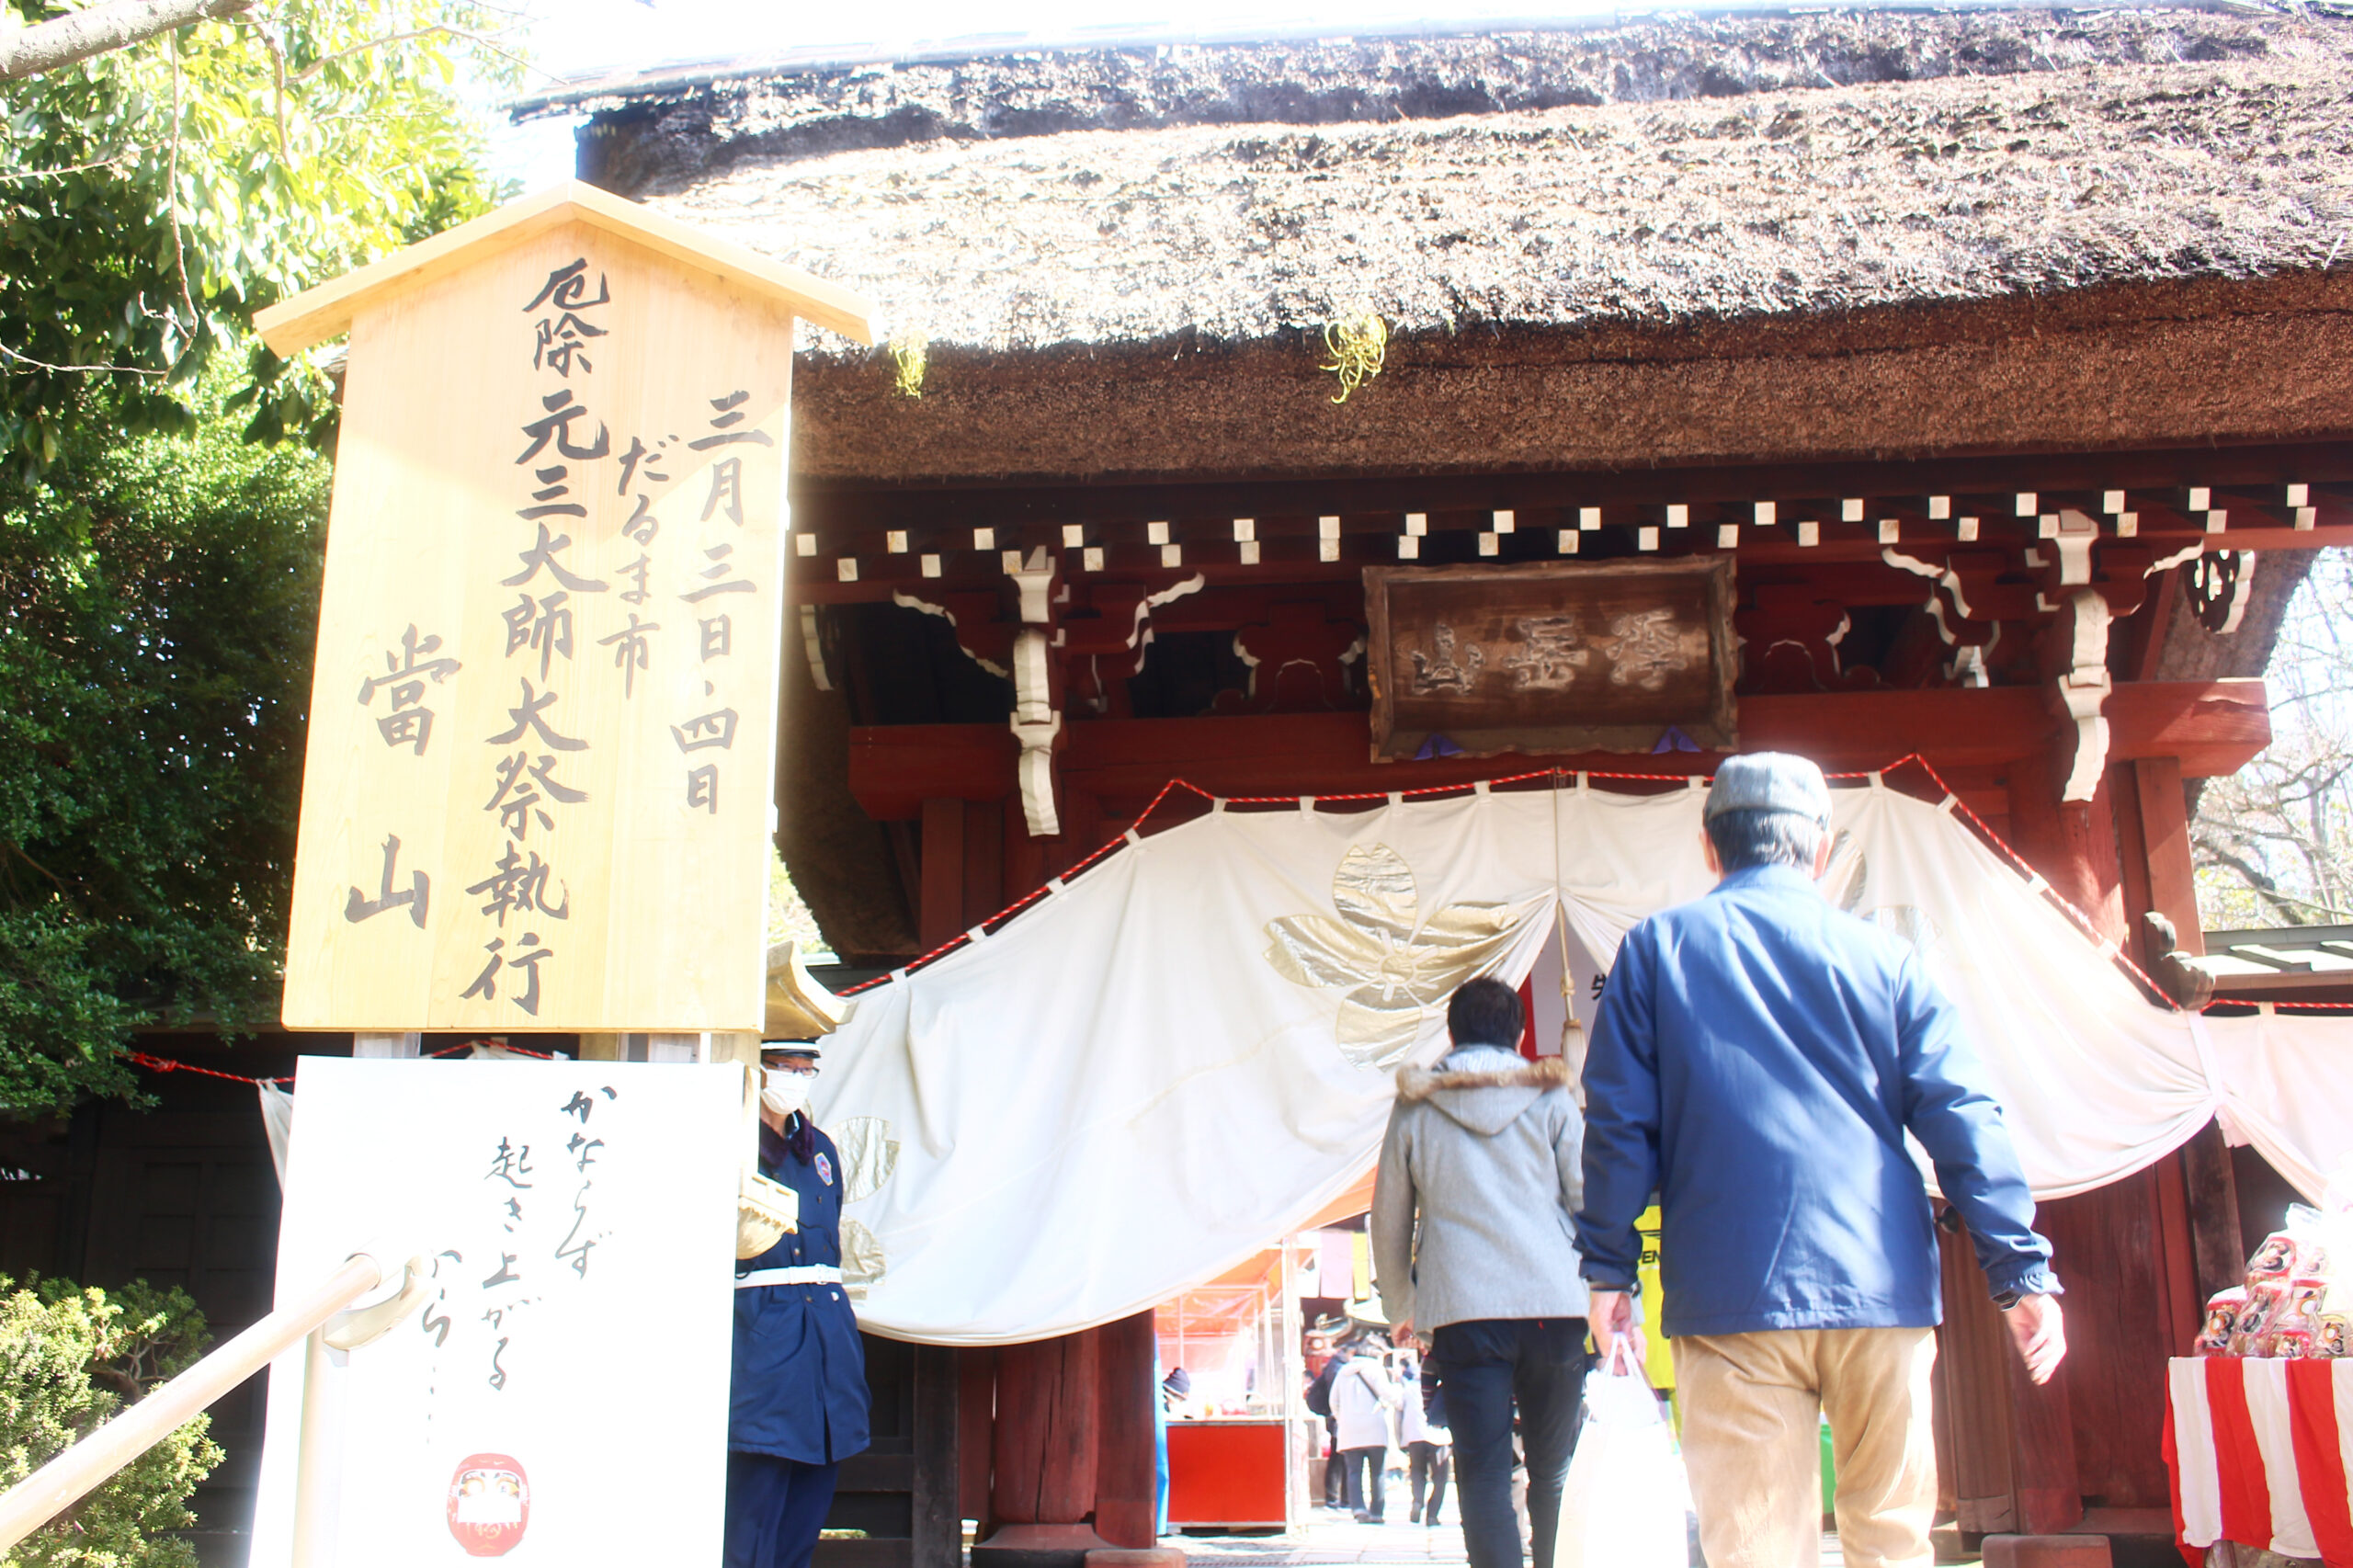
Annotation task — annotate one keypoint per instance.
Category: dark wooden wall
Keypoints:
(901, 1491)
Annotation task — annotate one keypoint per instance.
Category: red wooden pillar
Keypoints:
(1127, 1472)
(940, 912)
(2006, 1450)
(1073, 1463)
(2016, 1445)
(2072, 844)
(976, 1432)
(1048, 1416)
(2152, 837)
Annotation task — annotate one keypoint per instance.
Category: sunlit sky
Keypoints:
(570, 40)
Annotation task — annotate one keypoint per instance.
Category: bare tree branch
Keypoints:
(122, 157)
(441, 29)
(2289, 907)
(104, 370)
(172, 206)
(49, 45)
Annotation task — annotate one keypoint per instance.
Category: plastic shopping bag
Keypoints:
(1626, 1497)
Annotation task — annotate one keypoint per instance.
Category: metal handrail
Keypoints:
(82, 1468)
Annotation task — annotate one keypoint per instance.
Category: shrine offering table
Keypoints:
(2257, 1453)
(1227, 1472)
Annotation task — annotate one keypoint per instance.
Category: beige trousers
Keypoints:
(1752, 1405)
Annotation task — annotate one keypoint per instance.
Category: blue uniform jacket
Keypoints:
(1757, 1059)
(799, 1386)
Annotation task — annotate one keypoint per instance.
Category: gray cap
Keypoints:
(1769, 781)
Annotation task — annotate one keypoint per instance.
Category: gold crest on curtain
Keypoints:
(1389, 961)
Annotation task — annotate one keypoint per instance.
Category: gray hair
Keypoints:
(1748, 839)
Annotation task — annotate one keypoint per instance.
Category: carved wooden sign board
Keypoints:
(543, 726)
(1562, 658)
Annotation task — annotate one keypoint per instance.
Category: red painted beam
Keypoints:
(2211, 727)
(893, 768)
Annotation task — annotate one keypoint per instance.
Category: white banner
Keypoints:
(1170, 1062)
(563, 1396)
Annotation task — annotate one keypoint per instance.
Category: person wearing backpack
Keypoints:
(1319, 1401)
(1471, 1247)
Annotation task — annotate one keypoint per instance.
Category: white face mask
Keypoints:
(783, 1093)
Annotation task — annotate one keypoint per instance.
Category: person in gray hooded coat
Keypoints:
(1473, 1248)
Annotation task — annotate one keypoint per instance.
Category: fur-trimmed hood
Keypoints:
(1484, 1087)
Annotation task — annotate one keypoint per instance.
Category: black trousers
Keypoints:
(1488, 1367)
(1427, 1466)
(775, 1508)
(1368, 1482)
(1336, 1484)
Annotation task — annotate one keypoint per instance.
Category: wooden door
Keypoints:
(901, 1491)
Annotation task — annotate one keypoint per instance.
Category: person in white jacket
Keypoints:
(1472, 1250)
(1363, 1397)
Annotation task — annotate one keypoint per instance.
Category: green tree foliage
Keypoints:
(158, 597)
(153, 197)
(69, 1359)
(159, 575)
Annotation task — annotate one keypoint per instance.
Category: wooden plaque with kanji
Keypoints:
(1558, 658)
(543, 724)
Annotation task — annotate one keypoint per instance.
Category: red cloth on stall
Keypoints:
(2246, 1492)
(2256, 1454)
(2320, 1457)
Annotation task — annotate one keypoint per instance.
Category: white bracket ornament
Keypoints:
(1035, 723)
(1034, 581)
(2075, 536)
(2081, 689)
(1035, 772)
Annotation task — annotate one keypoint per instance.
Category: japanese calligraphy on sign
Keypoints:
(1565, 658)
(549, 1201)
(543, 727)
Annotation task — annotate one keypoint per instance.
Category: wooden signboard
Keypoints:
(1558, 658)
(543, 726)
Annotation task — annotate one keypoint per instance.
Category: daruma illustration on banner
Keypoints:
(490, 1504)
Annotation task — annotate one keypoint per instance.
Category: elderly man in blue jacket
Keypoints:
(1756, 1060)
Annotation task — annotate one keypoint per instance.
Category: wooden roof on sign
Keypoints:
(325, 312)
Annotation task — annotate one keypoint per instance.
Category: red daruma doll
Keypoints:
(490, 1502)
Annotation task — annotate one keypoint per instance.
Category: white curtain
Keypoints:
(276, 1124)
(1170, 1062)
(2287, 1091)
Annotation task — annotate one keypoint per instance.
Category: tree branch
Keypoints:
(49, 45)
(172, 206)
(109, 370)
(71, 168)
(441, 29)
(2263, 887)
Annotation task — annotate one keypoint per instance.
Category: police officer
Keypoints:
(799, 1404)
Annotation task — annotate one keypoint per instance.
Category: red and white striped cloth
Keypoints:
(2258, 1454)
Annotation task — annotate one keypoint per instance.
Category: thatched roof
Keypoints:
(1672, 171)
